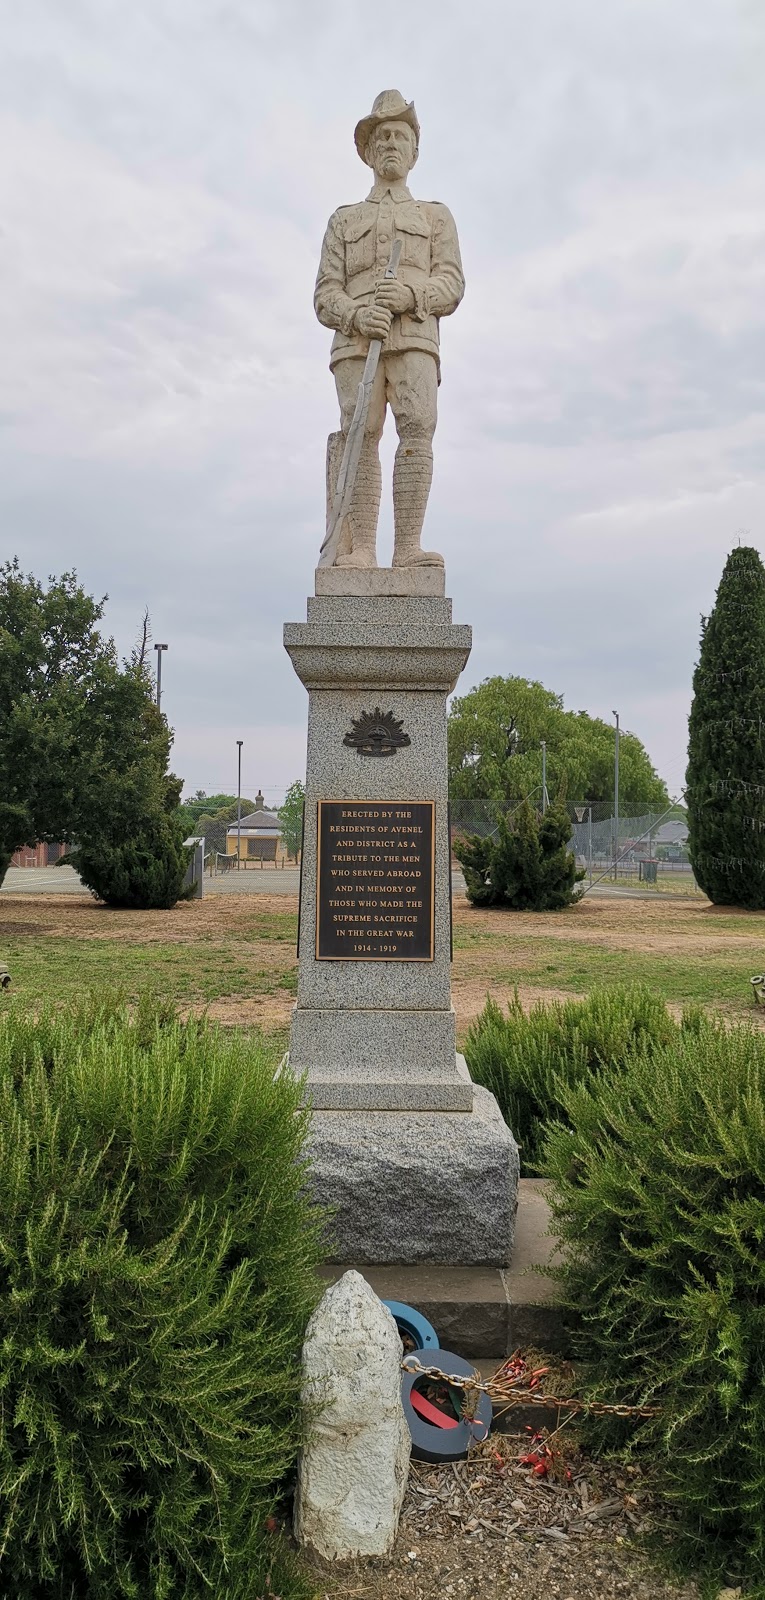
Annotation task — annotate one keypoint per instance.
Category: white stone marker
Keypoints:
(353, 1470)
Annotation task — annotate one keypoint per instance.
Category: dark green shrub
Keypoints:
(726, 744)
(527, 1059)
(142, 873)
(157, 1269)
(658, 1193)
(527, 866)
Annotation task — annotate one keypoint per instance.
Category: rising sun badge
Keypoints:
(376, 733)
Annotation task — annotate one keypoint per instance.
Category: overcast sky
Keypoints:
(168, 169)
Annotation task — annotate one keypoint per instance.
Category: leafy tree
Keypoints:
(494, 750)
(215, 824)
(527, 867)
(290, 815)
(207, 805)
(726, 761)
(83, 749)
(52, 658)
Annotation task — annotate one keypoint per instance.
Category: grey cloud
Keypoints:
(165, 397)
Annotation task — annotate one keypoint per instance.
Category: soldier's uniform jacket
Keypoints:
(356, 251)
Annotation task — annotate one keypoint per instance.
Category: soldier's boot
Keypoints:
(412, 474)
(358, 540)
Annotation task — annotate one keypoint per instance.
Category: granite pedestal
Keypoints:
(415, 1159)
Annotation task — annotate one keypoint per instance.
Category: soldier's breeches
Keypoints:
(413, 389)
(407, 382)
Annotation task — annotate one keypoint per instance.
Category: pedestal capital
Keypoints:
(367, 655)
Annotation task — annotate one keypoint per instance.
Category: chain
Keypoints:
(504, 1391)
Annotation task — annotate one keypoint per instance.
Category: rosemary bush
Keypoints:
(658, 1192)
(157, 1269)
(526, 1059)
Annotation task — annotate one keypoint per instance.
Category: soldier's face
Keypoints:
(392, 150)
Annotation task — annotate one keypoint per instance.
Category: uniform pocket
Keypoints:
(359, 246)
(414, 231)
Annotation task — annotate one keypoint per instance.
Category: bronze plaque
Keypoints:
(375, 880)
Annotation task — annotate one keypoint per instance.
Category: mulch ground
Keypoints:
(487, 1529)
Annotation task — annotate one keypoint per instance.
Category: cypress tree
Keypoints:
(130, 849)
(726, 756)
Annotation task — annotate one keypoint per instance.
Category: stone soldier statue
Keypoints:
(354, 296)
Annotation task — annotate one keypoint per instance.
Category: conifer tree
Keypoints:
(130, 849)
(726, 759)
(528, 866)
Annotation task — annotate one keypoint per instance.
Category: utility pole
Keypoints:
(616, 795)
(159, 648)
(589, 841)
(544, 775)
(239, 742)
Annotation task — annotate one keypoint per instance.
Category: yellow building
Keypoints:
(260, 837)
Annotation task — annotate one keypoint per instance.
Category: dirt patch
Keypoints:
(268, 1011)
(495, 951)
(620, 925)
(190, 921)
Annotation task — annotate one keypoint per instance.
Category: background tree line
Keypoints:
(495, 733)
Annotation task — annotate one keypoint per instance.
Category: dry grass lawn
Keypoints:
(235, 955)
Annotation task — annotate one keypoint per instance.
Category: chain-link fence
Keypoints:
(645, 848)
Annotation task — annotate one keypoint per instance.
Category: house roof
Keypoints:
(671, 833)
(262, 820)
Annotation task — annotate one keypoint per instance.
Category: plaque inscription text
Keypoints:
(375, 883)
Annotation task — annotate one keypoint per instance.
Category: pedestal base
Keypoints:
(379, 1060)
(417, 1186)
(414, 1160)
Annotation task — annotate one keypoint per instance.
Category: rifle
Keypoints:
(346, 477)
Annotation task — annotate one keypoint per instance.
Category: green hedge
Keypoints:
(658, 1192)
(157, 1269)
(525, 1059)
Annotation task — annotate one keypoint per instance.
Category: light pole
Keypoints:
(544, 775)
(616, 795)
(239, 742)
(159, 648)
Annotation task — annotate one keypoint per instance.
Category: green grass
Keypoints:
(276, 926)
(701, 976)
(707, 956)
(53, 968)
(45, 968)
(680, 978)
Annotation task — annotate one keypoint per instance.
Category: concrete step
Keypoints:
(484, 1312)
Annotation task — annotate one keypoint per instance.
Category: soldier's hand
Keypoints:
(373, 321)
(396, 296)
